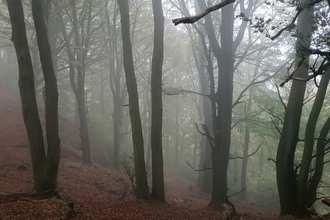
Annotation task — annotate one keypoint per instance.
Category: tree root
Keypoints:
(27, 196)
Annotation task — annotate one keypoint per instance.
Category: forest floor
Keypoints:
(97, 192)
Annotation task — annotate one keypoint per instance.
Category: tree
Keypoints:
(45, 166)
(205, 180)
(142, 191)
(221, 96)
(294, 183)
(117, 89)
(158, 191)
(77, 55)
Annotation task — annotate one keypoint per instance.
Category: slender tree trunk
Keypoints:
(142, 191)
(319, 164)
(205, 177)
(148, 130)
(285, 172)
(27, 92)
(102, 95)
(201, 163)
(195, 152)
(115, 75)
(207, 161)
(176, 152)
(158, 191)
(77, 75)
(52, 133)
(117, 118)
(244, 162)
(223, 99)
(304, 172)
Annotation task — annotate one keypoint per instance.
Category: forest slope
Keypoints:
(98, 192)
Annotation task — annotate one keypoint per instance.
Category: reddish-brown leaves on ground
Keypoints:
(96, 192)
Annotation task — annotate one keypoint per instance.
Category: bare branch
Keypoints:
(299, 10)
(193, 19)
(233, 158)
(271, 159)
(320, 71)
(319, 52)
(289, 26)
(255, 82)
(183, 91)
(209, 136)
(276, 127)
(196, 93)
(235, 194)
(280, 97)
(199, 170)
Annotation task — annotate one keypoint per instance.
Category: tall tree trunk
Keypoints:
(176, 135)
(45, 168)
(147, 109)
(158, 191)
(303, 177)
(285, 172)
(77, 74)
(142, 191)
(102, 95)
(116, 86)
(205, 177)
(247, 135)
(52, 133)
(319, 164)
(201, 163)
(223, 99)
(243, 195)
(27, 92)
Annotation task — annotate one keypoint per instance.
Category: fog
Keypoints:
(94, 107)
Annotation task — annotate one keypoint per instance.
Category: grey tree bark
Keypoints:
(285, 172)
(116, 86)
(158, 191)
(45, 167)
(77, 73)
(139, 162)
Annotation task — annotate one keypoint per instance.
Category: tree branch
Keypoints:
(235, 194)
(280, 97)
(234, 158)
(182, 91)
(209, 136)
(271, 159)
(199, 170)
(255, 82)
(193, 19)
(299, 10)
